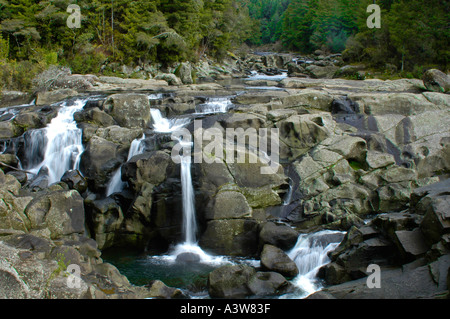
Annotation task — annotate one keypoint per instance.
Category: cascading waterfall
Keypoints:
(164, 125)
(116, 184)
(189, 219)
(63, 147)
(214, 105)
(310, 254)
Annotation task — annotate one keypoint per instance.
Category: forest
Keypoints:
(414, 35)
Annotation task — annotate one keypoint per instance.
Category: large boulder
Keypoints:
(433, 203)
(62, 212)
(436, 80)
(50, 97)
(152, 167)
(104, 218)
(275, 259)
(230, 281)
(268, 283)
(322, 72)
(129, 110)
(281, 236)
(184, 72)
(229, 205)
(100, 159)
(235, 237)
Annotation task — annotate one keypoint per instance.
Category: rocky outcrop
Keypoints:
(129, 110)
(416, 240)
(43, 242)
(275, 259)
(437, 81)
(240, 281)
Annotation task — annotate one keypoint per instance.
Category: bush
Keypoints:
(18, 75)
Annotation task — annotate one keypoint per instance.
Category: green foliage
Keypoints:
(268, 16)
(123, 31)
(408, 40)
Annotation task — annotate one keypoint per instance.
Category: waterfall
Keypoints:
(214, 105)
(116, 184)
(64, 143)
(189, 219)
(310, 254)
(164, 125)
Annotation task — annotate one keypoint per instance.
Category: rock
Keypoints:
(377, 160)
(21, 176)
(188, 257)
(129, 110)
(322, 72)
(275, 259)
(7, 161)
(119, 135)
(157, 289)
(99, 160)
(75, 181)
(309, 99)
(295, 70)
(66, 213)
(300, 133)
(350, 70)
(230, 281)
(11, 98)
(393, 103)
(105, 219)
(28, 121)
(411, 244)
(258, 98)
(394, 197)
(9, 130)
(436, 80)
(234, 237)
(281, 236)
(51, 97)
(95, 116)
(264, 284)
(243, 121)
(170, 78)
(184, 72)
(153, 168)
(414, 283)
(436, 221)
(344, 106)
(230, 205)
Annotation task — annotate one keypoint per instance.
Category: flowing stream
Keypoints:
(63, 143)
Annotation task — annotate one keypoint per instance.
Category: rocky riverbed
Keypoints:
(367, 158)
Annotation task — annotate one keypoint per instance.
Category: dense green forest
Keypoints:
(414, 34)
(34, 34)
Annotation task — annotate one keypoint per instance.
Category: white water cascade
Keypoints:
(214, 105)
(116, 184)
(189, 219)
(310, 254)
(64, 142)
(164, 125)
